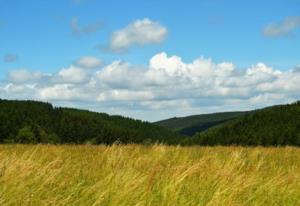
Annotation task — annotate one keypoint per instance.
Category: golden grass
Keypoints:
(153, 175)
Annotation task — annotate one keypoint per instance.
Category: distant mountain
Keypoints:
(190, 125)
(277, 125)
(38, 122)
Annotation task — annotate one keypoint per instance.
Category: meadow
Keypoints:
(125, 175)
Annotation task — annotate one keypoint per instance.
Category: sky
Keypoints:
(151, 60)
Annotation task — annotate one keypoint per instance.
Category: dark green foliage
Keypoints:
(38, 122)
(197, 123)
(26, 135)
(278, 125)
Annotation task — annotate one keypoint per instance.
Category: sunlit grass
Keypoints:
(148, 175)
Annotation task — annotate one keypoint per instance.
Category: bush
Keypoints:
(25, 135)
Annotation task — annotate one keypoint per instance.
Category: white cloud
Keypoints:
(165, 104)
(17, 88)
(23, 76)
(261, 68)
(125, 95)
(88, 29)
(166, 84)
(72, 74)
(89, 62)
(60, 92)
(138, 33)
(171, 66)
(121, 75)
(282, 29)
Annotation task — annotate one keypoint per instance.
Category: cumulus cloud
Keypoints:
(138, 33)
(283, 28)
(166, 87)
(61, 92)
(121, 75)
(9, 58)
(87, 29)
(125, 95)
(72, 74)
(24, 76)
(88, 62)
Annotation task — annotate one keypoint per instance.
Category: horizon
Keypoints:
(157, 120)
(136, 60)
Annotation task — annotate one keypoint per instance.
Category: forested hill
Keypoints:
(277, 125)
(190, 125)
(38, 122)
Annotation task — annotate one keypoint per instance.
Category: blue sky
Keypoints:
(46, 36)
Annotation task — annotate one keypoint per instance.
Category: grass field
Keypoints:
(153, 175)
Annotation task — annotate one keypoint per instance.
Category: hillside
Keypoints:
(38, 122)
(277, 125)
(190, 125)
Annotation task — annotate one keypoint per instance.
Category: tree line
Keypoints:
(273, 126)
(39, 122)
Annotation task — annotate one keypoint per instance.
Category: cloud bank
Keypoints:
(88, 62)
(166, 86)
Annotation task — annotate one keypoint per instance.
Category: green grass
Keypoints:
(148, 175)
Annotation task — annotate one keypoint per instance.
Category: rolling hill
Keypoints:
(277, 125)
(190, 125)
(39, 122)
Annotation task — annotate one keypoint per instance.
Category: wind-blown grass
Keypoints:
(148, 175)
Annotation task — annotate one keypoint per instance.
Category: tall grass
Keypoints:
(148, 175)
